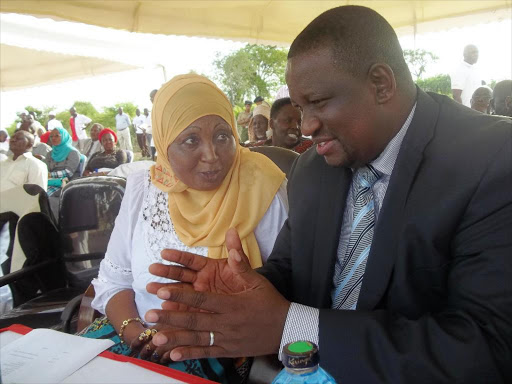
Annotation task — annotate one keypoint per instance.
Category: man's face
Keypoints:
(502, 105)
(72, 112)
(339, 111)
(30, 119)
(95, 131)
(146, 112)
(286, 127)
(471, 54)
(19, 143)
(120, 110)
(152, 96)
(247, 108)
(260, 126)
(137, 112)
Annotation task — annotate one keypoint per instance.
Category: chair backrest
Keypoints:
(129, 155)
(282, 157)
(88, 209)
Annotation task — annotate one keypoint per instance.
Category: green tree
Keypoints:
(438, 84)
(254, 70)
(417, 60)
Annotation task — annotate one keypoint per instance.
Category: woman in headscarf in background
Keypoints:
(259, 125)
(203, 183)
(4, 141)
(109, 158)
(63, 160)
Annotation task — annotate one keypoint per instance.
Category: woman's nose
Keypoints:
(208, 154)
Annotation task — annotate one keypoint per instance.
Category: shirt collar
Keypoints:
(26, 155)
(385, 163)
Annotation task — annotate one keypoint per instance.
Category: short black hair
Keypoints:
(278, 104)
(503, 89)
(258, 99)
(248, 102)
(358, 37)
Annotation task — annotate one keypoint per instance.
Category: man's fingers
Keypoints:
(169, 339)
(173, 272)
(201, 300)
(154, 287)
(194, 321)
(187, 259)
(187, 353)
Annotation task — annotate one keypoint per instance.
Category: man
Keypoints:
(139, 122)
(243, 119)
(285, 122)
(149, 130)
(23, 115)
(78, 124)
(502, 98)
(52, 121)
(466, 77)
(90, 146)
(29, 124)
(395, 257)
(21, 167)
(260, 100)
(123, 130)
(481, 99)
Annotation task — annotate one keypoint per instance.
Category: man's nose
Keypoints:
(310, 125)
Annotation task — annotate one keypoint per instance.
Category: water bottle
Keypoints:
(300, 361)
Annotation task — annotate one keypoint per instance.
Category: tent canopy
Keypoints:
(24, 67)
(260, 21)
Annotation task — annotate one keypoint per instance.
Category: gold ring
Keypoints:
(147, 334)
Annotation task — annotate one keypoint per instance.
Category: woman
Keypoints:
(259, 125)
(203, 183)
(63, 161)
(4, 141)
(109, 157)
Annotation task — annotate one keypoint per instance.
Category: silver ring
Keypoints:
(212, 338)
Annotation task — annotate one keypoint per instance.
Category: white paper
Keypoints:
(102, 370)
(47, 356)
(8, 337)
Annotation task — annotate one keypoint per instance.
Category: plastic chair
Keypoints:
(88, 208)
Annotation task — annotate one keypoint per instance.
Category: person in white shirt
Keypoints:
(139, 123)
(90, 146)
(22, 167)
(466, 78)
(149, 134)
(52, 121)
(123, 130)
(4, 141)
(78, 124)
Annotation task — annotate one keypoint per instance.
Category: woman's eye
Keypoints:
(190, 141)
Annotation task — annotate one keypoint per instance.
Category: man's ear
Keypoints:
(271, 123)
(382, 78)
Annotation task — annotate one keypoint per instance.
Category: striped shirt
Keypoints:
(302, 321)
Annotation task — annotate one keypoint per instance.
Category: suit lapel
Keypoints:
(333, 189)
(387, 231)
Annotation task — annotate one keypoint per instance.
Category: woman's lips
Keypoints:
(209, 175)
(324, 147)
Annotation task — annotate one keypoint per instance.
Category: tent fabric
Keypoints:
(259, 21)
(24, 67)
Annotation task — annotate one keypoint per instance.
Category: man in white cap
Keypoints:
(52, 121)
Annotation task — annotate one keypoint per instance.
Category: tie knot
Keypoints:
(367, 176)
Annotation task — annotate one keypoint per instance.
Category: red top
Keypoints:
(74, 137)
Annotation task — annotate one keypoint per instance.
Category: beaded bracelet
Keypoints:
(125, 323)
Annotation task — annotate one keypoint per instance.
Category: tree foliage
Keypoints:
(417, 60)
(254, 70)
(438, 84)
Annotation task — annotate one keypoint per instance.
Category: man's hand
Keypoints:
(243, 309)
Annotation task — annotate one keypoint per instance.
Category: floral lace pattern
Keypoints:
(116, 268)
(158, 230)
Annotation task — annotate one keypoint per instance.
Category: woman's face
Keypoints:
(107, 141)
(260, 126)
(55, 137)
(202, 155)
(3, 136)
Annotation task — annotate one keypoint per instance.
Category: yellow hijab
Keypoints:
(201, 218)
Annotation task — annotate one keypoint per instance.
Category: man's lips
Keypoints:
(324, 146)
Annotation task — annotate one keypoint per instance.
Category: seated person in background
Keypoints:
(259, 125)
(29, 124)
(481, 99)
(285, 121)
(243, 120)
(21, 167)
(4, 141)
(502, 98)
(92, 145)
(45, 138)
(196, 191)
(63, 160)
(109, 157)
(41, 150)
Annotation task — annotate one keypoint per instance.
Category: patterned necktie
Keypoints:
(349, 272)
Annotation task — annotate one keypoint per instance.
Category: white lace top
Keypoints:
(143, 229)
